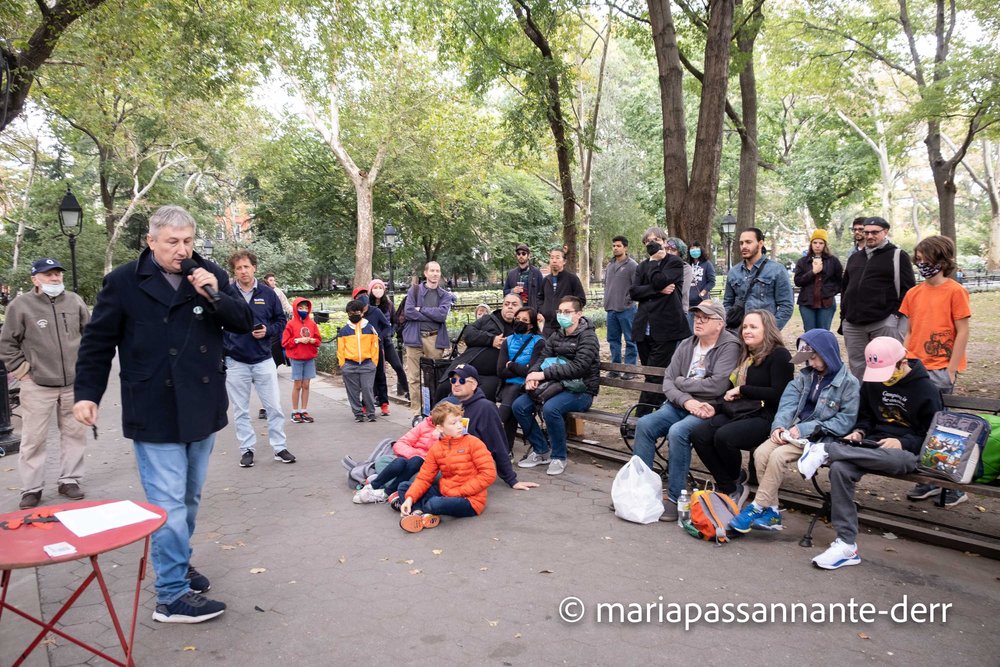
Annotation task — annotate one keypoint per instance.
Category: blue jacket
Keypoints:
(438, 315)
(266, 309)
(836, 408)
(771, 292)
(169, 342)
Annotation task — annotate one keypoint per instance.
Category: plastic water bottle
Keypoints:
(683, 509)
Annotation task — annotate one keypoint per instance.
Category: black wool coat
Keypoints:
(169, 343)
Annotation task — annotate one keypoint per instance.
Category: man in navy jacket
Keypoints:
(249, 362)
(168, 333)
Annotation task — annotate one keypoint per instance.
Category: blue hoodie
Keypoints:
(828, 402)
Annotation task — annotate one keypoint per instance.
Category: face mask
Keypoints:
(695, 253)
(653, 248)
(303, 314)
(928, 270)
(565, 321)
(377, 293)
(354, 317)
(896, 377)
(520, 327)
(53, 290)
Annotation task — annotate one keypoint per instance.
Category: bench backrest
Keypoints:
(972, 404)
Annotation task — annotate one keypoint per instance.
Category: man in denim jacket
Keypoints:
(772, 291)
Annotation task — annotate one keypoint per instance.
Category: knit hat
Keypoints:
(376, 282)
(819, 234)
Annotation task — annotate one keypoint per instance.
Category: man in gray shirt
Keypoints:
(620, 308)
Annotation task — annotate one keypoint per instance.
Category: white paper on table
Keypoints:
(91, 520)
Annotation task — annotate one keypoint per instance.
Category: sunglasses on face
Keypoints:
(521, 252)
(875, 232)
(457, 380)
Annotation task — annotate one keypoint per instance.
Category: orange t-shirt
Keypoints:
(933, 310)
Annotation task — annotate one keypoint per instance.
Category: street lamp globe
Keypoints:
(390, 235)
(728, 224)
(70, 215)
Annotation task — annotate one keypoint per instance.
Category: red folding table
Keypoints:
(22, 548)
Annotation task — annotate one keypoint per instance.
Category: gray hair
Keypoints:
(170, 216)
(654, 231)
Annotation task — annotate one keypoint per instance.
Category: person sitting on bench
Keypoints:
(822, 399)
(898, 403)
(697, 376)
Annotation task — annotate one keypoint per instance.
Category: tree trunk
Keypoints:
(22, 219)
(668, 65)
(993, 192)
(554, 115)
(363, 253)
(746, 212)
(699, 201)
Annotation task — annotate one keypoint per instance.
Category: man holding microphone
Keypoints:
(165, 314)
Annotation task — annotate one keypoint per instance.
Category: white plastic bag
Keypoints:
(637, 493)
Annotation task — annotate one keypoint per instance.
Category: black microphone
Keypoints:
(187, 266)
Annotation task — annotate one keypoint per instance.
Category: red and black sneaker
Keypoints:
(304, 416)
(385, 409)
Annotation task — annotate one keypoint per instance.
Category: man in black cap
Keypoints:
(39, 345)
(875, 282)
(524, 279)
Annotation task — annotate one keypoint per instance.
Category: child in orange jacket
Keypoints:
(301, 340)
(466, 468)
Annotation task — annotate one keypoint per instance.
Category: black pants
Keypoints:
(720, 442)
(506, 396)
(392, 357)
(659, 354)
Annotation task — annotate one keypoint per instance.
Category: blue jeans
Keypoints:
(172, 474)
(264, 375)
(398, 471)
(675, 423)
(620, 324)
(433, 502)
(553, 412)
(817, 318)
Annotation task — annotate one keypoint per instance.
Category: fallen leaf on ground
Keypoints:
(980, 508)
(257, 570)
(483, 569)
(408, 561)
(331, 513)
(190, 648)
(890, 536)
(256, 608)
(517, 635)
(227, 547)
(889, 549)
(546, 572)
(416, 571)
(437, 552)
(342, 560)
(862, 635)
(971, 555)
(8, 470)
(493, 624)
(606, 538)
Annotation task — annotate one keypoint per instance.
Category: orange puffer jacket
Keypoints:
(466, 468)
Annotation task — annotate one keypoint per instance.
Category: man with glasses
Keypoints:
(875, 282)
(524, 280)
(575, 342)
(697, 376)
(858, 230)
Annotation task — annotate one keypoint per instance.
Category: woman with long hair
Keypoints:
(517, 353)
(743, 417)
(818, 275)
(702, 277)
(379, 299)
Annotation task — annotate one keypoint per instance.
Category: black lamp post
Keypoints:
(208, 249)
(71, 225)
(728, 230)
(390, 239)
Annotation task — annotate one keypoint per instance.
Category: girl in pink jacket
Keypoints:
(410, 450)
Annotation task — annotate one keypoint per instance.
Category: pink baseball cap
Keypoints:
(881, 357)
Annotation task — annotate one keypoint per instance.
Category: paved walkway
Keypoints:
(342, 582)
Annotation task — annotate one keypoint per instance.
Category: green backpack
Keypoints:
(990, 457)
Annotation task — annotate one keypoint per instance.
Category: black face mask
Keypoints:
(653, 248)
(520, 327)
(354, 317)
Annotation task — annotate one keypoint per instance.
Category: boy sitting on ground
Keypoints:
(466, 468)
(898, 403)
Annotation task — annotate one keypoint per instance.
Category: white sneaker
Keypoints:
(556, 467)
(838, 555)
(813, 456)
(369, 495)
(534, 459)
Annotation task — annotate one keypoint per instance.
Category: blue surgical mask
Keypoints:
(695, 253)
(565, 321)
(303, 314)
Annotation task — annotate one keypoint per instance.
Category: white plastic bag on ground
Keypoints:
(637, 493)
